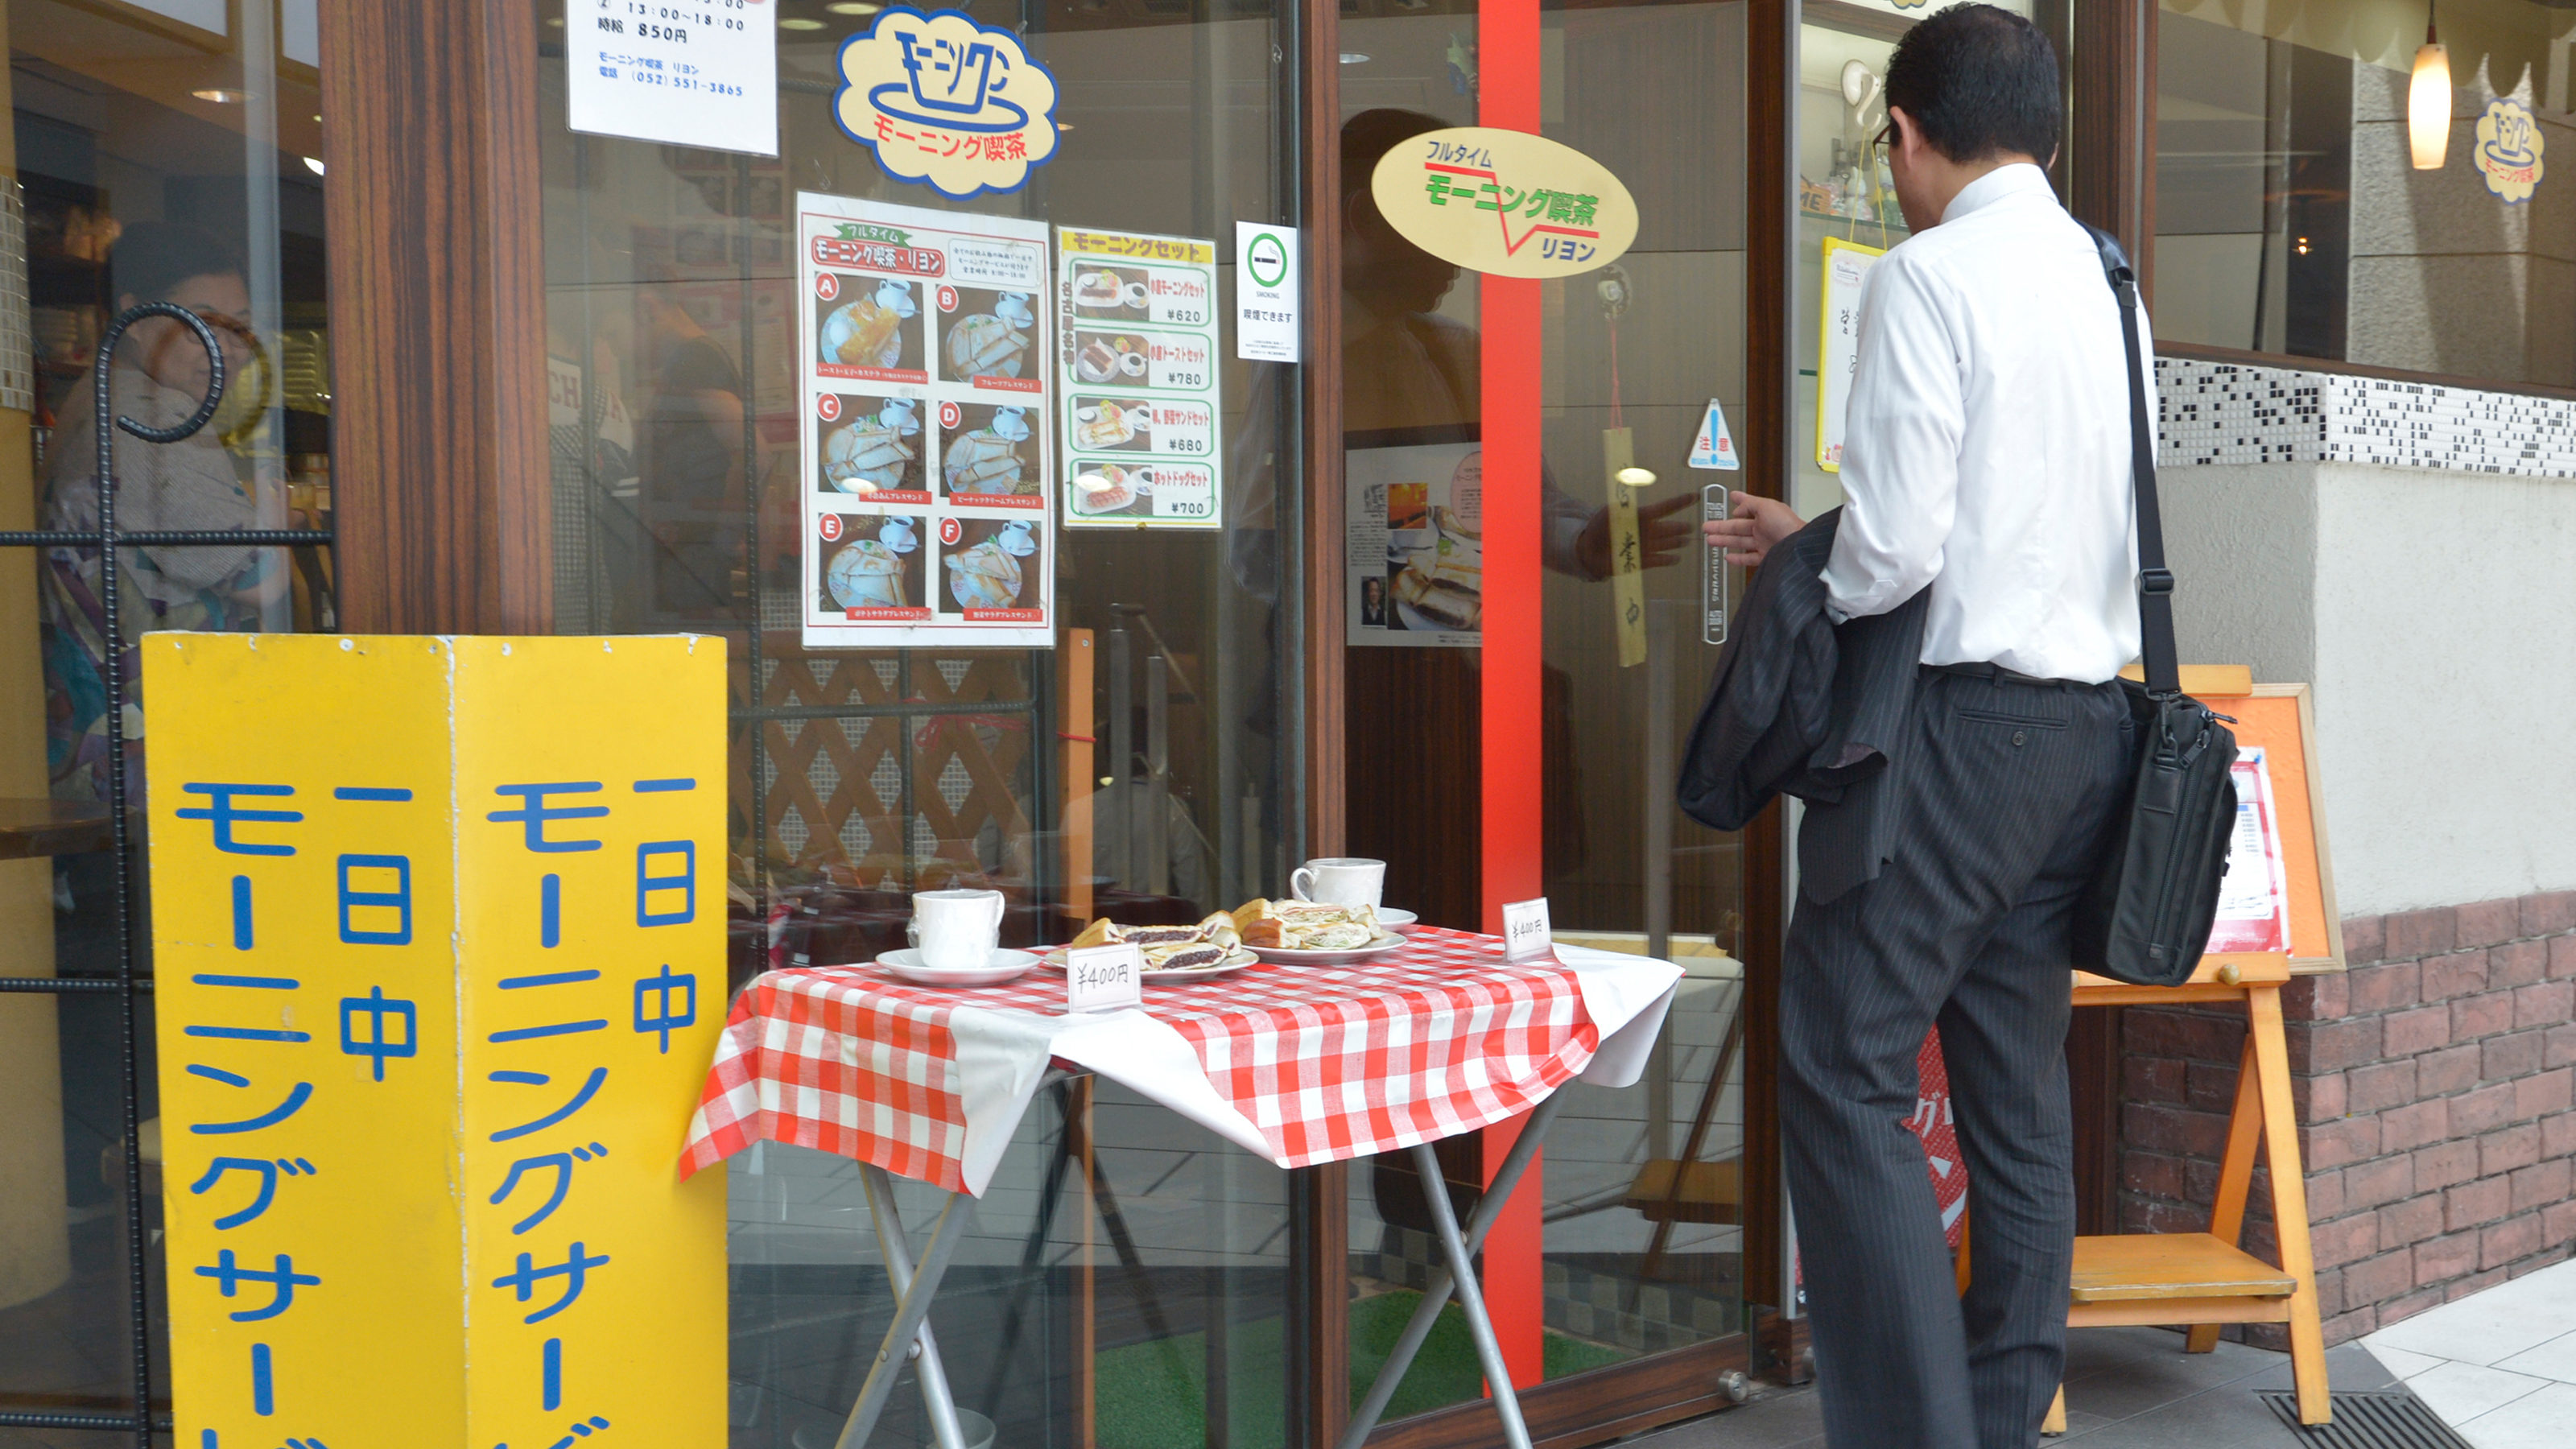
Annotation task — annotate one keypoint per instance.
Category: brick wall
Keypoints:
(2433, 1086)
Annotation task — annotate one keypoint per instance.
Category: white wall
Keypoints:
(2435, 614)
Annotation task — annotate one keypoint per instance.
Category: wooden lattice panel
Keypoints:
(966, 748)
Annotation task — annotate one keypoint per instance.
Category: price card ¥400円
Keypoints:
(1103, 978)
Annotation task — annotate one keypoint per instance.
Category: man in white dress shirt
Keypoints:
(1986, 459)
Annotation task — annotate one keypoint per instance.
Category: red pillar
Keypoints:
(1514, 819)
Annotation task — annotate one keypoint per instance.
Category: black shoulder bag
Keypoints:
(2146, 917)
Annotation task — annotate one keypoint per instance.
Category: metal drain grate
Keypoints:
(2383, 1420)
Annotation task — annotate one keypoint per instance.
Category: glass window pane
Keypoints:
(1643, 1207)
(1140, 765)
(1642, 348)
(2294, 214)
(155, 154)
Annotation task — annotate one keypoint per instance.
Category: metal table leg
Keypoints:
(898, 1260)
(1458, 1252)
(911, 1312)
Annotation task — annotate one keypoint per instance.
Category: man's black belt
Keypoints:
(2000, 675)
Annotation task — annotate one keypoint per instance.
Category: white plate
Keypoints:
(1004, 965)
(1053, 960)
(1281, 955)
(1395, 920)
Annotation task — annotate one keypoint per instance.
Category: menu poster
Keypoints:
(1414, 535)
(2254, 899)
(924, 427)
(1138, 344)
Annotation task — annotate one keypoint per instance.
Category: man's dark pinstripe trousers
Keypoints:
(2009, 794)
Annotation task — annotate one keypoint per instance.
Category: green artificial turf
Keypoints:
(1154, 1395)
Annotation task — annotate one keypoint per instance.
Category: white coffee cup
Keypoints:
(959, 929)
(1339, 880)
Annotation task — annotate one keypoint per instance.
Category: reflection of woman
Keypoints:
(1373, 602)
(159, 375)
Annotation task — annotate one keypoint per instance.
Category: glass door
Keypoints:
(1628, 1243)
(1645, 366)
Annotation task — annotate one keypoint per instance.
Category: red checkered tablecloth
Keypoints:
(1326, 1063)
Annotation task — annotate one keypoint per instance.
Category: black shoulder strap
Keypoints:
(2155, 581)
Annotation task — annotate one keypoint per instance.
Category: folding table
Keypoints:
(1298, 1065)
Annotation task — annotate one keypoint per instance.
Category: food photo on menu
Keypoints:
(989, 453)
(874, 562)
(991, 336)
(1435, 567)
(875, 446)
(1103, 489)
(995, 565)
(870, 324)
(1110, 294)
(1108, 425)
(1109, 359)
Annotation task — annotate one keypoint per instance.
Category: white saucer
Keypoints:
(1395, 920)
(1004, 965)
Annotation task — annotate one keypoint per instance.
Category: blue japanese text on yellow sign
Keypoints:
(439, 942)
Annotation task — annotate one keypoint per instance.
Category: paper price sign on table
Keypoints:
(1103, 978)
(1525, 932)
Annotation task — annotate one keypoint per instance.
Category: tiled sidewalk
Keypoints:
(2500, 1365)
(2126, 1388)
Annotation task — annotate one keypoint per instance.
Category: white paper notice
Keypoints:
(1265, 292)
(926, 432)
(1103, 978)
(1137, 327)
(1525, 932)
(2254, 899)
(691, 73)
(1838, 345)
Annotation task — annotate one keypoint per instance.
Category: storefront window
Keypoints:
(1121, 509)
(157, 151)
(2294, 214)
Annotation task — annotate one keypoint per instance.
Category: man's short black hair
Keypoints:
(1978, 82)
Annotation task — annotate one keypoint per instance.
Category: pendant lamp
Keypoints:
(2428, 100)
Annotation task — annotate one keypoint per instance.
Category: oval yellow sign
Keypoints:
(1506, 203)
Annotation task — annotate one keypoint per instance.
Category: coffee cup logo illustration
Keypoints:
(2508, 150)
(943, 100)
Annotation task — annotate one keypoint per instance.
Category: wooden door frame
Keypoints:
(441, 494)
(1319, 1197)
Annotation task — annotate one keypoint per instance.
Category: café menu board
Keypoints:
(1137, 339)
(925, 427)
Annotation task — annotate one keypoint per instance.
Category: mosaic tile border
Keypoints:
(2217, 412)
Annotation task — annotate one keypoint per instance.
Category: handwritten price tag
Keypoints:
(1104, 978)
(1525, 934)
